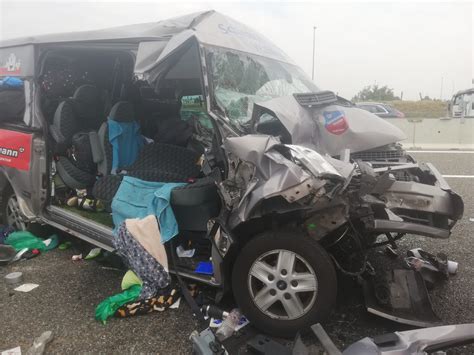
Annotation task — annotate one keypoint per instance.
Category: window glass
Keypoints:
(240, 79)
(193, 106)
(12, 99)
(380, 109)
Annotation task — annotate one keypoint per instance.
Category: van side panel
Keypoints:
(17, 61)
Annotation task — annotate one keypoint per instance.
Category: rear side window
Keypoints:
(380, 109)
(369, 108)
(12, 99)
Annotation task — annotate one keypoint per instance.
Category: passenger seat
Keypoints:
(129, 140)
(77, 116)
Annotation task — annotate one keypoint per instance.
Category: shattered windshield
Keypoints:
(239, 79)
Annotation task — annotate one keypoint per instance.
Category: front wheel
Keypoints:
(11, 213)
(284, 282)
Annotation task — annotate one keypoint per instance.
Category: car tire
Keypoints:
(11, 215)
(283, 302)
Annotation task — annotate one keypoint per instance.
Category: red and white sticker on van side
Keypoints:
(15, 149)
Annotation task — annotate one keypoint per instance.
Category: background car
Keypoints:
(381, 109)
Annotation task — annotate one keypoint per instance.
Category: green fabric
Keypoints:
(130, 279)
(94, 253)
(23, 239)
(109, 306)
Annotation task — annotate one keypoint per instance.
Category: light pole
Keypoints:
(314, 40)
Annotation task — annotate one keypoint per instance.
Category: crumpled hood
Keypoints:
(332, 128)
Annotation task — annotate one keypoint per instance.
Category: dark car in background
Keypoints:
(381, 109)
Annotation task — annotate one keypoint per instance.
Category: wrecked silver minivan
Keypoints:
(283, 183)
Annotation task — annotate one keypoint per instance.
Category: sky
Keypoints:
(412, 47)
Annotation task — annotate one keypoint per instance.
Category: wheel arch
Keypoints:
(5, 186)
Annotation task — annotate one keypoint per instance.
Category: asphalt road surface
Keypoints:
(68, 292)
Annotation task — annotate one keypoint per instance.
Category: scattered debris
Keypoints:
(30, 254)
(262, 344)
(471, 219)
(93, 254)
(400, 295)
(7, 254)
(40, 343)
(19, 254)
(205, 343)
(176, 304)
(130, 279)
(77, 257)
(14, 351)
(419, 341)
(184, 253)
(24, 239)
(431, 267)
(229, 325)
(26, 287)
(65, 245)
(14, 278)
(205, 268)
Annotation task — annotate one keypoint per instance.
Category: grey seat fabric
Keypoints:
(79, 113)
(72, 176)
(167, 158)
(75, 116)
(156, 162)
(195, 204)
(122, 111)
(64, 124)
(87, 106)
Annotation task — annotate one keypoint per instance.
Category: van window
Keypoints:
(193, 106)
(12, 99)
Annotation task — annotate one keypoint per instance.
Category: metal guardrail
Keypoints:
(436, 133)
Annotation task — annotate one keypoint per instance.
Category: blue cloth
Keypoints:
(11, 82)
(126, 142)
(136, 198)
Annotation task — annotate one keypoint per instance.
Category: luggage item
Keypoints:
(81, 153)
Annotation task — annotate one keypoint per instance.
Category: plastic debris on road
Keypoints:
(77, 257)
(14, 278)
(23, 239)
(109, 306)
(26, 287)
(93, 254)
(13, 351)
(130, 279)
(40, 343)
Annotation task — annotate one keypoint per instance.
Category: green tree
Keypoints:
(375, 93)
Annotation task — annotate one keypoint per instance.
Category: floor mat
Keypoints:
(104, 218)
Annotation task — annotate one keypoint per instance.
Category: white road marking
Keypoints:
(442, 151)
(459, 176)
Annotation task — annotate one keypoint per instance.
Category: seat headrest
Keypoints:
(87, 94)
(122, 111)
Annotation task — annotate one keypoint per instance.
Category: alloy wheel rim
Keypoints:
(282, 284)
(14, 216)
